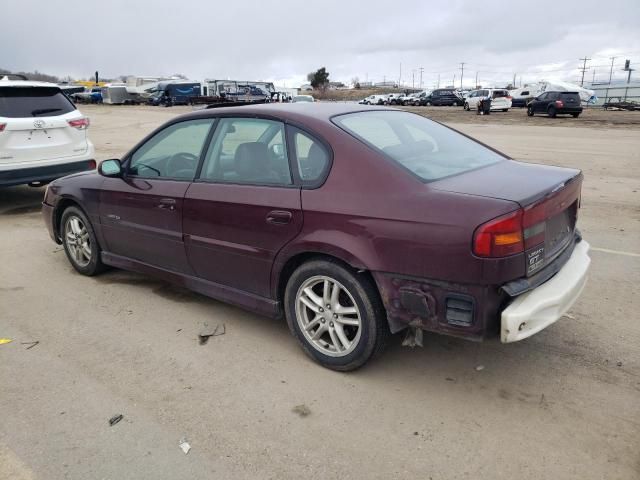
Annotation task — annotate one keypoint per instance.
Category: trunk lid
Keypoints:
(549, 197)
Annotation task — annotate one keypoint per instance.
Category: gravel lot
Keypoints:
(564, 404)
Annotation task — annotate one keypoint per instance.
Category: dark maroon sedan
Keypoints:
(352, 222)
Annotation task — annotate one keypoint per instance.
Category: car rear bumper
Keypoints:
(535, 310)
(20, 176)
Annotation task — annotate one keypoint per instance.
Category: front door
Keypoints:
(244, 207)
(141, 213)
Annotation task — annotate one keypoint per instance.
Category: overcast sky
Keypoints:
(284, 40)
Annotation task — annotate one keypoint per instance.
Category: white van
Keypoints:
(500, 99)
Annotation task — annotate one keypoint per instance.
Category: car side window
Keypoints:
(248, 151)
(543, 96)
(312, 157)
(172, 153)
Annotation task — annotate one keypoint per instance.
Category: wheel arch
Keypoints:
(284, 268)
(61, 206)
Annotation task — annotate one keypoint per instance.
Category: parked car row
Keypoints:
(440, 96)
(551, 103)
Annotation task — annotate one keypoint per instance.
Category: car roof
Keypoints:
(5, 82)
(297, 112)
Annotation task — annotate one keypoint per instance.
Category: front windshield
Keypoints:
(426, 148)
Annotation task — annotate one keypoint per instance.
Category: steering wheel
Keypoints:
(182, 165)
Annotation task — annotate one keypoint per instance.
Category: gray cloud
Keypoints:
(284, 40)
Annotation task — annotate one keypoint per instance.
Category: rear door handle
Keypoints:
(279, 217)
(167, 204)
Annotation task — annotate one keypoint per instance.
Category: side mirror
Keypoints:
(110, 168)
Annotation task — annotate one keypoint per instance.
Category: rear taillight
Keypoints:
(500, 237)
(80, 123)
(509, 97)
(92, 164)
(559, 103)
(2, 126)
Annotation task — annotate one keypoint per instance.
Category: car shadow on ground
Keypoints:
(488, 365)
(20, 200)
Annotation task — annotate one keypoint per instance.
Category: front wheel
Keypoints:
(575, 115)
(80, 243)
(466, 106)
(336, 316)
(530, 111)
(428, 104)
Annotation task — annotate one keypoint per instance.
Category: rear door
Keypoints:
(141, 213)
(36, 125)
(244, 207)
(499, 100)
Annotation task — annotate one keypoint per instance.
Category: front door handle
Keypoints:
(167, 204)
(279, 217)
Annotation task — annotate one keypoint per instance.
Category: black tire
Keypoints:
(455, 104)
(466, 106)
(428, 104)
(374, 330)
(94, 264)
(505, 109)
(575, 115)
(551, 111)
(530, 111)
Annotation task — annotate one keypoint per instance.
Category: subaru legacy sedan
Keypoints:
(352, 222)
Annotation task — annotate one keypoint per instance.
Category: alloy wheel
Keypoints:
(328, 316)
(77, 240)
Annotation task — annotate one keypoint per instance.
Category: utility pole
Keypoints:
(413, 78)
(421, 70)
(584, 68)
(461, 74)
(453, 84)
(611, 71)
(400, 77)
(438, 81)
(514, 81)
(593, 80)
(476, 85)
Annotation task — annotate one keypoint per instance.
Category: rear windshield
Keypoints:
(427, 149)
(566, 96)
(20, 102)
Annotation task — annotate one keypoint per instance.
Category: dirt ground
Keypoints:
(564, 404)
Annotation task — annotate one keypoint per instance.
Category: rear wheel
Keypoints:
(428, 104)
(530, 111)
(551, 111)
(336, 316)
(455, 104)
(505, 109)
(575, 115)
(80, 243)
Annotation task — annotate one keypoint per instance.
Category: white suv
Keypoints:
(42, 134)
(500, 99)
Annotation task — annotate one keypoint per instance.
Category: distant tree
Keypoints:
(181, 76)
(36, 75)
(357, 86)
(355, 81)
(319, 79)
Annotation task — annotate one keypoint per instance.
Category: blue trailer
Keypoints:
(175, 93)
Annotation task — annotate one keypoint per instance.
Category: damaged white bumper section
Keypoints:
(532, 311)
